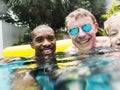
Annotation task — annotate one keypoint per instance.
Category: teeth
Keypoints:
(84, 41)
(47, 51)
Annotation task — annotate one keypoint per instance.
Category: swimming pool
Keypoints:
(99, 71)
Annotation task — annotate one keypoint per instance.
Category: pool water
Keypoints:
(98, 69)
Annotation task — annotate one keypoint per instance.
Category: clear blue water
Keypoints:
(94, 70)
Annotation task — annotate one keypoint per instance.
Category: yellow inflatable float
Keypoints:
(26, 50)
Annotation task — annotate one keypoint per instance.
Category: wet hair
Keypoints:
(80, 12)
(38, 27)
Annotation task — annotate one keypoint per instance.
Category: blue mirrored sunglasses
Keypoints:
(86, 28)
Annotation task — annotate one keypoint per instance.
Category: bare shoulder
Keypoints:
(102, 38)
(103, 41)
(71, 50)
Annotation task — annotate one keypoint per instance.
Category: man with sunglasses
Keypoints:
(82, 28)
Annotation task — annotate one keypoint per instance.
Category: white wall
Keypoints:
(9, 35)
(1, 39)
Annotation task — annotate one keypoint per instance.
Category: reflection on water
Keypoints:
(4, 80)
(97, 69)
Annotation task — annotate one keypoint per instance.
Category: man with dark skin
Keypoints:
(44, 42)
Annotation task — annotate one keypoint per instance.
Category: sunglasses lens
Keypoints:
(87, 27)
(74, 31)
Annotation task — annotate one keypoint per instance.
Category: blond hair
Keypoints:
(80, 12)
(112, 19)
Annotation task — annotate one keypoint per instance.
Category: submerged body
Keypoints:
(100, 71)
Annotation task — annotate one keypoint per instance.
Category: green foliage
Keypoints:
(115, 7)
(30, 13)
(102, 32)
(98, 7)
(53, 12)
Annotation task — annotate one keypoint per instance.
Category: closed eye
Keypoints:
(113, 33)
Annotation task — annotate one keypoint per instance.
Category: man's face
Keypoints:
(44, 42)
(114, 34)
(85, 38)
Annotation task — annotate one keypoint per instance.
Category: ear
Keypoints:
(96, 27)
(32, 45)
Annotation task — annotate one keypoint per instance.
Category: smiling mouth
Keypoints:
(117, 46)
(84, 41)
(47, 51)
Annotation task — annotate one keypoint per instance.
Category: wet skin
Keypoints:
(44, 41)
(83, 40)
(114, 34)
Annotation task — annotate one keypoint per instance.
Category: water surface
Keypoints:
(98, 69)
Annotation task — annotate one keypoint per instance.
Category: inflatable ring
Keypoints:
(26, 50)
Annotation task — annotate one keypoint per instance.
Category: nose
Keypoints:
(118, 41)
(46, 43)
(81, 34)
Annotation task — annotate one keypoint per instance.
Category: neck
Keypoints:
(45, 60)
